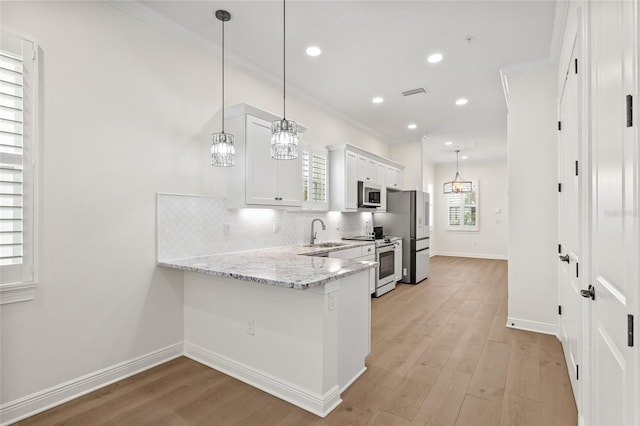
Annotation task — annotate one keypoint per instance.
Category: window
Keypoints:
(314, 178)
(463, 210)
(18, 105)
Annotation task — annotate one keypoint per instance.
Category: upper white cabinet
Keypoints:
(350, 164)
(381, 179)
(394, 178)
(257, 180)
(343, 178)
(366, 169)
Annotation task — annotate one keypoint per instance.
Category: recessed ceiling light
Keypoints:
(434, 58)
(377, 100)
(313, 51)
(464, 157)
(448, 143)
(462, 101)
(412, 126)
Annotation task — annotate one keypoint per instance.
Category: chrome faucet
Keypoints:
(312, 235)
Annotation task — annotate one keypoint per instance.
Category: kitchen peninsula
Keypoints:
(287, 319)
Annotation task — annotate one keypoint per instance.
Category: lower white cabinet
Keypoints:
(367, 252)
(398, 261)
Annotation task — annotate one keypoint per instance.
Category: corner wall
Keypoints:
(532, 192)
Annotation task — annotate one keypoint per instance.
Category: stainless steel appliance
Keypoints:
(385, 256)
(369, 194)
(408, 216)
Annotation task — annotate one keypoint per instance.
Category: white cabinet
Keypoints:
(257, 180)
(398, 261)
(367, 252)
(366, 169)
(381, 179)
(348, 165)
(343, 180)
(394, 178)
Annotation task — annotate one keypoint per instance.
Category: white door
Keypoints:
(614, 221)
(569, 228)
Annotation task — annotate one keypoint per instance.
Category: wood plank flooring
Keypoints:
(441, 355)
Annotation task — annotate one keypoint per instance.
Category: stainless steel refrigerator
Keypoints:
(407, 216)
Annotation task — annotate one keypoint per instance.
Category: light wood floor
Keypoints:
(441, 355)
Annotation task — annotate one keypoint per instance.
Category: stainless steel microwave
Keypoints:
(369, 194)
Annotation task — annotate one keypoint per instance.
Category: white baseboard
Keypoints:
(472, 255)
(320, 405)
(538, 327)
(27, 406)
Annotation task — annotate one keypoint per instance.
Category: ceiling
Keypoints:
(379, 48)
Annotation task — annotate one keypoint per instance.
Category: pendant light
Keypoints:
(223, 150)
(457, 185)
(284, 133)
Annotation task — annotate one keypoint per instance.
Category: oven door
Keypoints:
(385, 273)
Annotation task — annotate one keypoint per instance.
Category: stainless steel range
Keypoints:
(385, 256)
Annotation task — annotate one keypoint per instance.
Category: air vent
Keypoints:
(414, 91)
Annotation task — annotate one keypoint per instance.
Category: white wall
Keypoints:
(429, 185)
(532, 171)
(410, 155)
(490, 241)
(127, 113)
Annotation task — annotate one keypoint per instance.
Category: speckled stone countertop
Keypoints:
(298, 267)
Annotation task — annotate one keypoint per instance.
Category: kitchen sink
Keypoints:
(326, 245)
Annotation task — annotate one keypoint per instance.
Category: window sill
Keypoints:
(462, 230)
(20, 292)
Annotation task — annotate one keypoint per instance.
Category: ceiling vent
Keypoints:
(414, 91)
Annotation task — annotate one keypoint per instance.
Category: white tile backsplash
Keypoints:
(189, 226)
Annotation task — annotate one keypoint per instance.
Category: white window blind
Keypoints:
(17, 166)
(314, 178)
(463, 210)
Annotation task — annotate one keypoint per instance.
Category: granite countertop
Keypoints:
(297, 267)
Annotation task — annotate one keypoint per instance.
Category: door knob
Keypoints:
(590, 293)
(565, 258)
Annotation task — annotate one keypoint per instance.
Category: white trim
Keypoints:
(320, 405)
(538, 327)
(35, 403)
(470, 255)
(19, 292)
(187, 36)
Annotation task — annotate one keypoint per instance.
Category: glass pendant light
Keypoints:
(223, 150)
(457, 185)
(284, 133)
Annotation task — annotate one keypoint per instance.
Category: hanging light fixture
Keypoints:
(284, 133)
(457, 185)
(223, 150)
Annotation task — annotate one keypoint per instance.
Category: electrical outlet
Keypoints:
(332, 301)
(227, 229)
(276, 227)
(250, 328)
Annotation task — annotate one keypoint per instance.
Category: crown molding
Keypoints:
(187, 36)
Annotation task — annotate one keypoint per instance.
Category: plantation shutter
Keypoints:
(17, 159)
